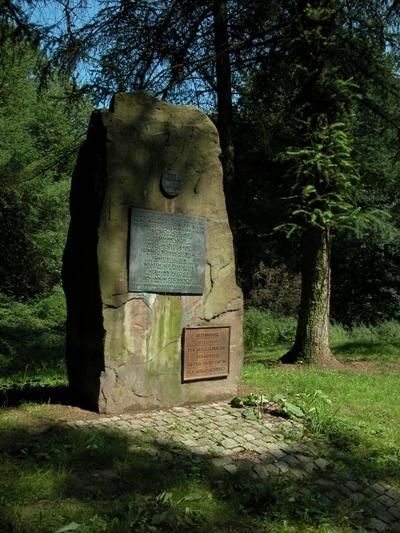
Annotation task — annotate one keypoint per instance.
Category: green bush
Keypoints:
(32, 338)
(262, 328)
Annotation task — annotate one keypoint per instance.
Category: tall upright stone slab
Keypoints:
(154, 312)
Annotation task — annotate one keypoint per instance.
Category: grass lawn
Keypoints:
(54, 477)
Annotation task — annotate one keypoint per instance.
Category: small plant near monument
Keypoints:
(254, 404)
(250, 400)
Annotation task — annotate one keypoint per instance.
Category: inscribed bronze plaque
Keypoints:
(166, 253)
(206, 353)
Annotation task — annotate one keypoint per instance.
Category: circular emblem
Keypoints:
(171, 184)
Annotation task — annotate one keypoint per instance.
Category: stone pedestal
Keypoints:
(124, 349)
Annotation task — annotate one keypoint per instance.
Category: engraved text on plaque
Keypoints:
(206, 353)
(167, 253)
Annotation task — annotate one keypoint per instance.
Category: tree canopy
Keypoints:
(305, 91)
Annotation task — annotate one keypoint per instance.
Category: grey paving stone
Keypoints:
(200, 450)
(230, 434)
(228, 444)
(378, 488)
(245, 464)
(221, 461)
(353, 485)
(292, 460)
(395, 511)
(261, 472)
(272, 469)
(215, 451)
(189, 442)
(269, 439)
(204, 442)
(326, 483)
(392, 493)
(260, 449)
(321, 463)
(285, 446)
(248, 446)
(282, 466)
(296, 473)
(249, 436)
(357, 497)
(238, 449)
(370, 493)
(275, 452)
(376, 509)
(376, 525)
(231, 468)
(304, 459)
(384, 499)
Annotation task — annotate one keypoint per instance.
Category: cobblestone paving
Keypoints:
(232, 444)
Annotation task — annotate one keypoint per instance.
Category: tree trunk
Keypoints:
(224, 89)
(312, 336)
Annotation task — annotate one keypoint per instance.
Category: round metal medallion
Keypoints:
(171, 184)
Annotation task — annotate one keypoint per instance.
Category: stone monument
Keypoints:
(154, 311)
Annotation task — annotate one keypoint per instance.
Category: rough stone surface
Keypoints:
(124, 348)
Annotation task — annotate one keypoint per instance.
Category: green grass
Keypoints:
(363, 404)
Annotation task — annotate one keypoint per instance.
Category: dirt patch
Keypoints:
(247, 455)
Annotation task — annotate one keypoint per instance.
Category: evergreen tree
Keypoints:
(38, 142)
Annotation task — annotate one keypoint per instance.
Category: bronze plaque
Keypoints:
(206, 353)
(166, 253)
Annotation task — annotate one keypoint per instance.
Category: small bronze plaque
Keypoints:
(206, 353)
(167, 253)
(171, 184)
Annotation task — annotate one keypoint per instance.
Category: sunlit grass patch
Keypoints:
(362, 419)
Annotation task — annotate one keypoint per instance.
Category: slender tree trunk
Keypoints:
(224, 89)
(312, 336)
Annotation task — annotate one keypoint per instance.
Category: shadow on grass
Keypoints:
(367, 350)
(105, 480)
(14, 396)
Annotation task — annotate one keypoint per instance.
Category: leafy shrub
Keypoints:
(32, 338)
(262, 328)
